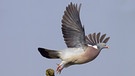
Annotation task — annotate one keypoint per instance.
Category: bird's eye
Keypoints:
(104, 44)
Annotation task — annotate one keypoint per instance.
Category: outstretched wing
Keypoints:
(94, 39)
(72, 29)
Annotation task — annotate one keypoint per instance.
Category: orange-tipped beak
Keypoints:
(106, 47)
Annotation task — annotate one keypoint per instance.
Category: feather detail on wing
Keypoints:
(94, 38)
(72, 29)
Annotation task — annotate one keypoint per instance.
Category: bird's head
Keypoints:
(97, 41)
(101, 46)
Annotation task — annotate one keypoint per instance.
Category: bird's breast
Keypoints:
(89, 54)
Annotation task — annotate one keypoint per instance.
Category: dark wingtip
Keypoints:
(106, 40)
(43, 52)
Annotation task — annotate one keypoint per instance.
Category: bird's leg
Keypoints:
(60, 67)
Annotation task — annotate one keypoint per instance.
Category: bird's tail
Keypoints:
(51, 54)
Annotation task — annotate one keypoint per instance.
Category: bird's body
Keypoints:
(81, 49)
(78, 55)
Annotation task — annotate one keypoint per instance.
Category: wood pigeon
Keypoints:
(80, 48)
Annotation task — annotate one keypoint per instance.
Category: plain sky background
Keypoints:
(26, 25)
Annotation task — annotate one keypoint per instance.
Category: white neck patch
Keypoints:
(95, 46)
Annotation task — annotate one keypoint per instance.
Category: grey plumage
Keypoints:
(72, 29)
(81, 49)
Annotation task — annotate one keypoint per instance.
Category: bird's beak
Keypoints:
(106, 47)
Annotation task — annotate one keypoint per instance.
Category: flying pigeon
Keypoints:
(80, 48)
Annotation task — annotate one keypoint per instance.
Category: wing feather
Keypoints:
(102, 37)
(106, 40)
(94, 39)
(72, 29)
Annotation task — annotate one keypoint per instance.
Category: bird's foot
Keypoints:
(59, 68)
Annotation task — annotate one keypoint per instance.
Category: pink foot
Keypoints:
(59, 68)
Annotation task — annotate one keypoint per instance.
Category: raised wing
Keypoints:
(94, 38)
(72, 29)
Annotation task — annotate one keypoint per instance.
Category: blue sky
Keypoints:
(26, 25)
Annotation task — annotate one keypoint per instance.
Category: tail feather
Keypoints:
(51, 54)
